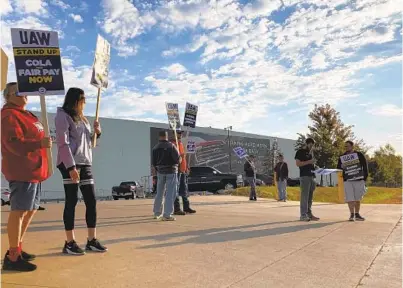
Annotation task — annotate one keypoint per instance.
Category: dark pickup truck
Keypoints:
(125, 190)
(205, 178)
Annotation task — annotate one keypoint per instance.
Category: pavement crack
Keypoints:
(366, 274)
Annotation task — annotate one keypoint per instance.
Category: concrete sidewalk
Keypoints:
(230, 242)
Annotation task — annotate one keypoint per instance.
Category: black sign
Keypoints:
(352, 167)
(37, 62)
(190, 115)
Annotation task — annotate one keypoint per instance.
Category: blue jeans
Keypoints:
(170, 182)
(252, 183)
(282, 189)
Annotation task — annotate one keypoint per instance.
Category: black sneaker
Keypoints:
(27, 257)
(305, 218)
(358, 217)
(95, 246)
(352, 218)
(179, 212)
(73, 249)
(41, 208)
(313, 218)
(19, 265)
(190, 211)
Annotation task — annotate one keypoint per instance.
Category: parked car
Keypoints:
(267, 180)
(261, 180)
(293, 182)
(205, 178)
(5, 196)
(125, 190)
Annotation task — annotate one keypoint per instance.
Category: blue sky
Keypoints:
(257, 65)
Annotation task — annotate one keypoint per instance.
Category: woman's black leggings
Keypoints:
(71, 190)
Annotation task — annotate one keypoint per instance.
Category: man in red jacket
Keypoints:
(24, 165)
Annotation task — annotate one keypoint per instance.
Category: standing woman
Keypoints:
(74, 160)
(24, 165)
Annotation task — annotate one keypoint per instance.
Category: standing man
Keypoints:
(24, 165)
(183, 182)
(355, 174)
(165, 161)
(305, 161)
(281, 170)
(250, 173)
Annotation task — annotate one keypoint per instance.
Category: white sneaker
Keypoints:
(170, 218)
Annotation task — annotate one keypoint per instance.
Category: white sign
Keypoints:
(240, 152)
(100, 70)
(191, 147)
(173, 116)
(323, 171)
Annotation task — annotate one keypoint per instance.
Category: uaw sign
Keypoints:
(352, 167)
(240, 152)
(37, 62)
(191, 147)
(190, 115)
(173, 116)
(100, 69)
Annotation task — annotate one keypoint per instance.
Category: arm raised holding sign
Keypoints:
(74, 161)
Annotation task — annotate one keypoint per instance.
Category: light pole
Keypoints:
(228, 129)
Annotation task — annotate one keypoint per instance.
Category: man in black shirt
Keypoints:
(165, 161)
(250, 173)
(355, 174)
(305, 161)
(281, 170)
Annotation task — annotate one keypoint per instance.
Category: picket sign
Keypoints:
(100, 74)
(4, 69)
(39, 70)
(324, 171)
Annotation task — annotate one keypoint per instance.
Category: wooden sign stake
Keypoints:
(45, 122)
(94, 139)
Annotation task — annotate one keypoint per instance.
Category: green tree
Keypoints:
(330, 135)
(385, 167)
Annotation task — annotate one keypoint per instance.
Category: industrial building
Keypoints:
(124, 149)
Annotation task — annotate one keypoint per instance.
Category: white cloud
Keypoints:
(5, 7)
(81, 31)
(60, 4)
(27, 22)
(261, 8)
(319, 61)
(76, 18)
(175, 69)
(388, 110)
(38, 7)
(126, 50)
(122, 20)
